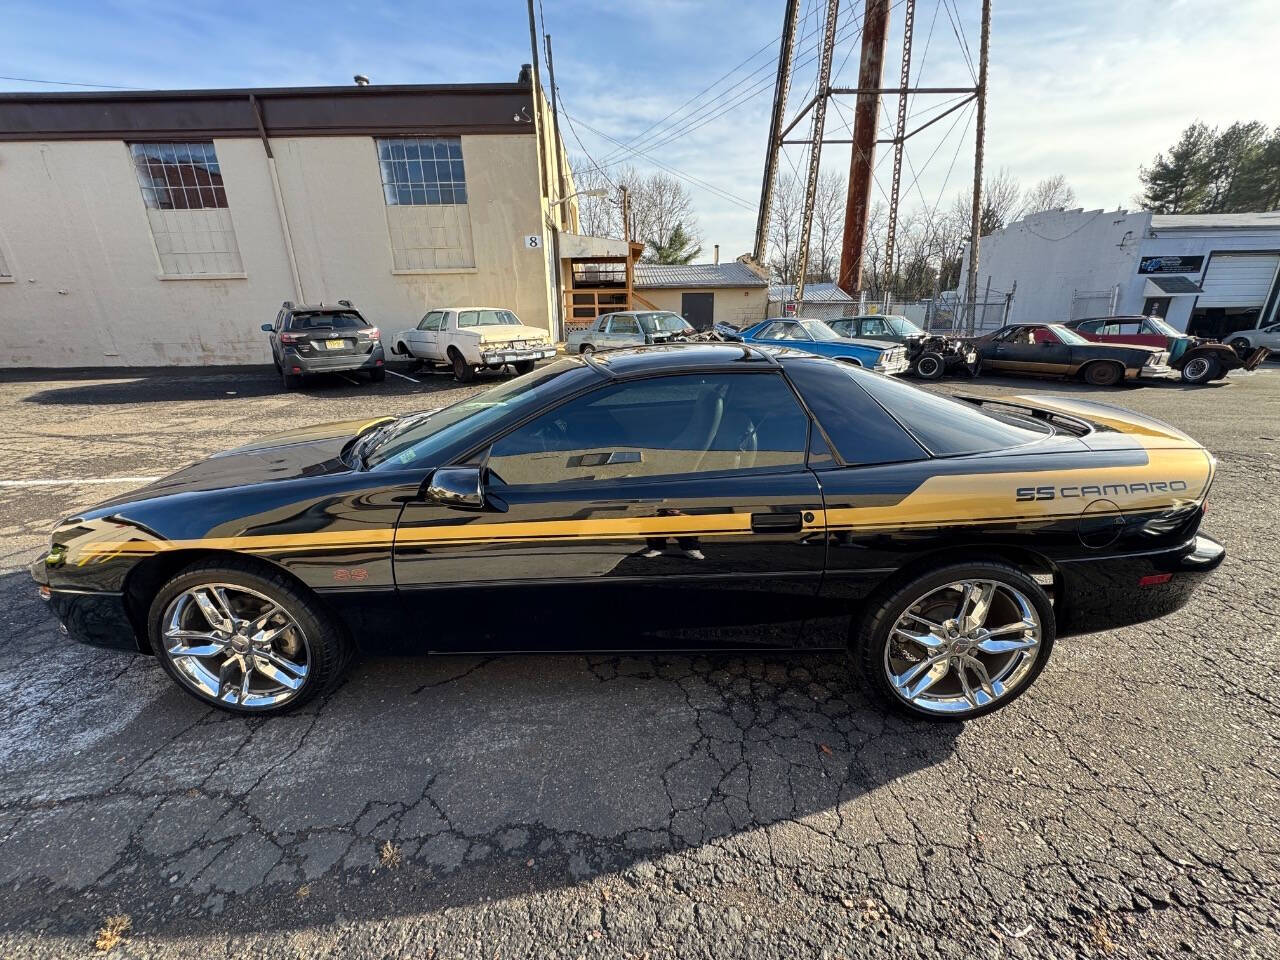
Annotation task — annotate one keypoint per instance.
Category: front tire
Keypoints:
(1200, 370)
(522, 367)
(1103, 374)
(956, 642)
(930, 366)
(586, 349)
(463, 372)
(245, 639)
(1241, 346)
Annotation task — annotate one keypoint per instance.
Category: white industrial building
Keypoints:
(164, 227)
(1207, 274)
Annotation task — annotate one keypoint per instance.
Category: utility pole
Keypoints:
(626, 215)
(866, 121)
(899, 142)
(971, 282)
(815, 151)
(555, 131)
(781, 89)
(537, 105)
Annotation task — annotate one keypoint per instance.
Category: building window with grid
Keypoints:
(424, 187)
(186, 204)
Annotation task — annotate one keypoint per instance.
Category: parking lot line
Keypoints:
(75, 482)
(403, 377)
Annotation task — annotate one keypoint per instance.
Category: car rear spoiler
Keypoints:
(1071, 424)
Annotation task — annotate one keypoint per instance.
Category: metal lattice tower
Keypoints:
(899, 140)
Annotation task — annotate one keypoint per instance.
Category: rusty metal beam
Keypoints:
(899, 142)
(781, 88)
(815, 153)
(971, 281)
(875, 33)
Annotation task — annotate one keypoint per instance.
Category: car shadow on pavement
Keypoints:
(420, 784)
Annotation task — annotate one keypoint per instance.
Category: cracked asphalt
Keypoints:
(651, 806)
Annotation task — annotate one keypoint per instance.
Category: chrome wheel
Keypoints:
(963, 646)
(1196, 369)
(235, 646)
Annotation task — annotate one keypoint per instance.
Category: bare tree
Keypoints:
(828, 228)
(658, 204)
(597, 216)
(1051, 193)
(784, 229)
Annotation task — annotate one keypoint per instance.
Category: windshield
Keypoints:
(1066, 335)
(327, 321)
(416, 437)
(819, 330)
(903, 327)
(661, 323)
(1163, 328)
(487, 318)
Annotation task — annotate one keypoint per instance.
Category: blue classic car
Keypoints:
(814, 336)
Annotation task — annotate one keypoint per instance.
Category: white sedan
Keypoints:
(469, 338)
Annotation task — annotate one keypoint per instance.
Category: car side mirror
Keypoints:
(459, 487)
(267, 327)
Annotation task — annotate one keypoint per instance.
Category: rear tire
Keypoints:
(1200, 370)
(523, 366)
(292, 381)
(880, 654)
(1103, 374)
(377, 374)
(463, 372)
(930, 366)
(314, 642)
(585, 349)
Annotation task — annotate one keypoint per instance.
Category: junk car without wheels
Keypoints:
(1050, 349)
(1198, 361)
(614, 330)
(929, 355)
(469, 339)
(715, 496)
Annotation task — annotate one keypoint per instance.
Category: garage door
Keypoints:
(1238, 279)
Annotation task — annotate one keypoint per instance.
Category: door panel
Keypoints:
(703, 562)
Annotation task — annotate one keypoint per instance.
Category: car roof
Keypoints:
(687, 358)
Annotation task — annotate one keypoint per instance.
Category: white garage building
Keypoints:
(1207, 274)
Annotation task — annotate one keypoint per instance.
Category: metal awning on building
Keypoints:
(1171, 286)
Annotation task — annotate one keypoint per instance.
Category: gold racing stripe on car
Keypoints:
(949, 500)
(1182, 474)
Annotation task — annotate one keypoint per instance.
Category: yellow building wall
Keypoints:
(737, 306)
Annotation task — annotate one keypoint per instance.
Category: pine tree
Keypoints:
(1177, 182)
(679, 247)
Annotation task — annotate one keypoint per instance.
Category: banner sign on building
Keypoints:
(1170, 264)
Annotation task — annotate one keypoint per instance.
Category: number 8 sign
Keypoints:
(533, 242)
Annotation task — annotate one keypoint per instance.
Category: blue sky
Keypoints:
(1090, 89)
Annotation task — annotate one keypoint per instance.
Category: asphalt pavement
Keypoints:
(652, 806)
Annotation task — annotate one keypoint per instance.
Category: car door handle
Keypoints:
(777, 522)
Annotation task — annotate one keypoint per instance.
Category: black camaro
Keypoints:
(712, 496)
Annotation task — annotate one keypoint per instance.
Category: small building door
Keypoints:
(698, 309)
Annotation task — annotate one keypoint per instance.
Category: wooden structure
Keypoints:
(598, 277)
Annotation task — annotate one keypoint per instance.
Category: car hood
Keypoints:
(506, 332)
(306, 452)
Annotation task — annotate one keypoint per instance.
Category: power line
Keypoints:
(581, 145)
(72, 83)
(721, 193)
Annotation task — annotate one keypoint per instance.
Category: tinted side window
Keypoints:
(858, 426)
(1089, 326)
(625, 325)
(664, 426)
(944, 426)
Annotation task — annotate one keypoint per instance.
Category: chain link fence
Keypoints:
(945, 314)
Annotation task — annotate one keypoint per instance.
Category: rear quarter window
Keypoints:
(947, 427)
(859, 428)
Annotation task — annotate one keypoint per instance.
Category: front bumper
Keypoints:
(322, 364)
(1152, 370)
(1105, 592)
(516, 355)
(98, 619)
(893, 366)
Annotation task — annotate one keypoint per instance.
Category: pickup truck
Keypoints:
(469, 339)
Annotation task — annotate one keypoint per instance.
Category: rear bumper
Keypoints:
(320, 364)
(1101, 593)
